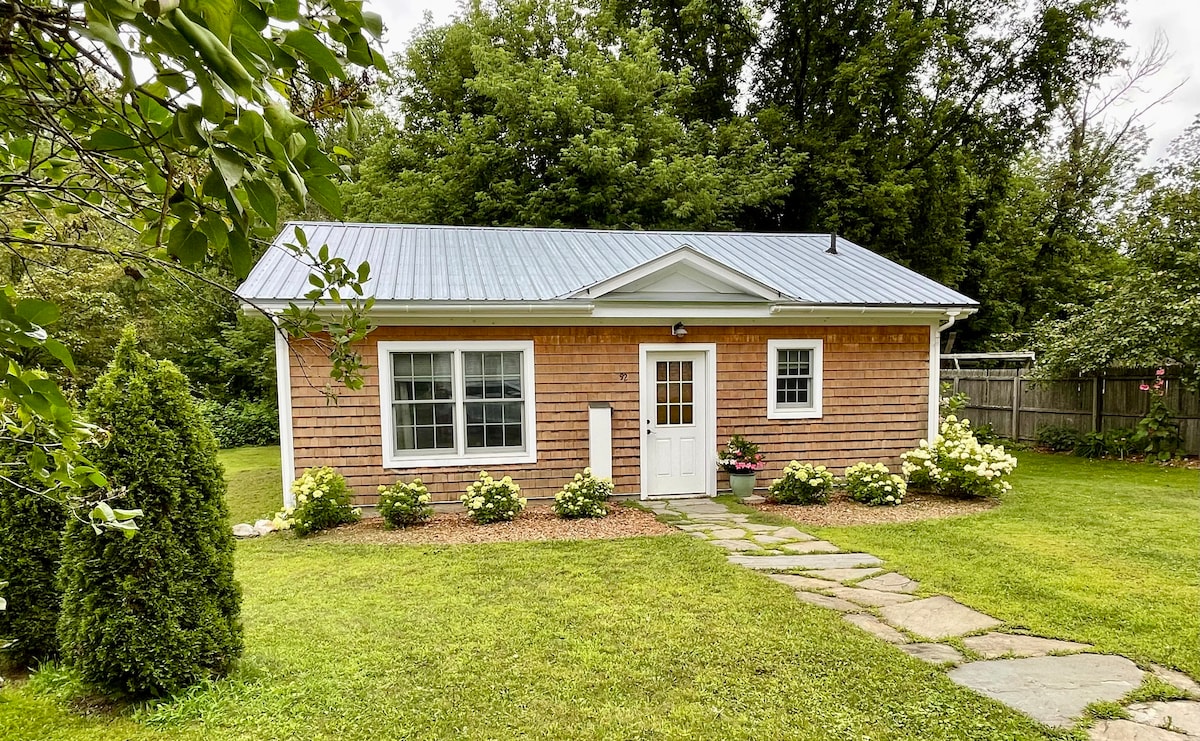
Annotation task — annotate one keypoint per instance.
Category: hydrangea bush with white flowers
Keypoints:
(957, 465)
(583, 496)
(801, 483)
(493, 500)
(403, 505)
(322, 502)
(874, 484)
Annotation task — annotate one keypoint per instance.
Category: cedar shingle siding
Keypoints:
(876, 386)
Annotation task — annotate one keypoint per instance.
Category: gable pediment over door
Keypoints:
(683, 275)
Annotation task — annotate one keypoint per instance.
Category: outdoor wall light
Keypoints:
(678, 330)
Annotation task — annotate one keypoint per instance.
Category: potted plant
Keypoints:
(742, 461)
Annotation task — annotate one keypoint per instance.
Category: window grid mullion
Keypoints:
(459, 384)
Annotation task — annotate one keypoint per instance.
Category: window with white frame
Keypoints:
(456, 403)
(794, 379)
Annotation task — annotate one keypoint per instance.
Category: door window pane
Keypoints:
(673, 392)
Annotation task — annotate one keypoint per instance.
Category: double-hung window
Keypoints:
(794, 379)
(456, 403)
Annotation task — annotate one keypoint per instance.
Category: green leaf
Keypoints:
(326, 193)
(321, 60)
(240, 257)
(373, 23)
(37, 311)
(60, 353)
(211, 103)
(111, 141)
(229, 165)
(217, 15)
(262, 199)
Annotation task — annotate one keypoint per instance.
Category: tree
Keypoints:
(168, 170)
(1147, 314)
(29, 560)
(711, 39)
(146, 616)
(911, 113)
(547, 113)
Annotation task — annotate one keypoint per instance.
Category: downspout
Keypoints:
(935, 366)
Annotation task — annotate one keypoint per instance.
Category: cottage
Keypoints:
(537, 352)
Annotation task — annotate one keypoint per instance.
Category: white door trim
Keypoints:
(709, 423)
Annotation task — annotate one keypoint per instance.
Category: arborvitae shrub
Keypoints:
(148, 615)
(31, 526)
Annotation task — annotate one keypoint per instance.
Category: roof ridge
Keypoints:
(592, 230)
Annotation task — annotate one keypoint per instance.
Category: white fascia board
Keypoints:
(691, 257)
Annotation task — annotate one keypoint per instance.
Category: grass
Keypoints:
(1103, 552)
(253, 478)
(647, 638)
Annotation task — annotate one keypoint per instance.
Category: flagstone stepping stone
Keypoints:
(822, 600)
(792, 533)
(995, 645)
(1176, 715)
(875, 627)
(753, 499)
(892, 582)
(937, 617)
(727, 533)
(811, 561)
(701, 536)
(812, 546)
(1178, 680)
(701, 527)
(870, 597)
(1127, 730)
(934, 653)
(1051, 689)
(719, 518)
(758, 528)
(736, 545)
(800, 582)
(771, 540)
(842, 574)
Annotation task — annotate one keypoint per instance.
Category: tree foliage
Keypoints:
(170, 169)
(912, 112)
(146, 616)
(548, 113)
(29, 560)
(1148, 313)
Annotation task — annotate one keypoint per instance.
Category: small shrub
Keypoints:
(874, 484)
(801, 483)
(1059, 438)
(242, 422)
(1092, 445)
(31, 529)
(489, 500)
(951, 401)
(583, 496)
(986, 434)
(1157, 434)
(1119, 441)
(322, 502)
(957, 465)
(403, 505)
(149, 615)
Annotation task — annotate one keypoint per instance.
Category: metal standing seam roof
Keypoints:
(412, 262)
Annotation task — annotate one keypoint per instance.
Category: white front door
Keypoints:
(675, 422)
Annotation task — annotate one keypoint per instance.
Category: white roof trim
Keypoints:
(683, 255)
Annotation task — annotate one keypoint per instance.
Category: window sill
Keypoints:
(452, 461)
(793, 414)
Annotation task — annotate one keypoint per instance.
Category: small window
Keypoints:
(794, 379)
(457, 403)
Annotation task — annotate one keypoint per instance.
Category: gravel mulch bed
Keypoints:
(842, 510)
(535, 523)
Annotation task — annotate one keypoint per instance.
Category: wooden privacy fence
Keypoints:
(1017, 406)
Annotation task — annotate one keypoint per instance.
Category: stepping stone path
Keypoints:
(1041, 681)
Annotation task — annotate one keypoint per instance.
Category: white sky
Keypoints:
(1177, 20)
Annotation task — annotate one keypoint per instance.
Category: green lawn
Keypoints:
(254, 481)
(1103, 552)
(649, 638)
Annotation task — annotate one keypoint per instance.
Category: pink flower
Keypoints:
(1144, 387)
(1160, 372)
